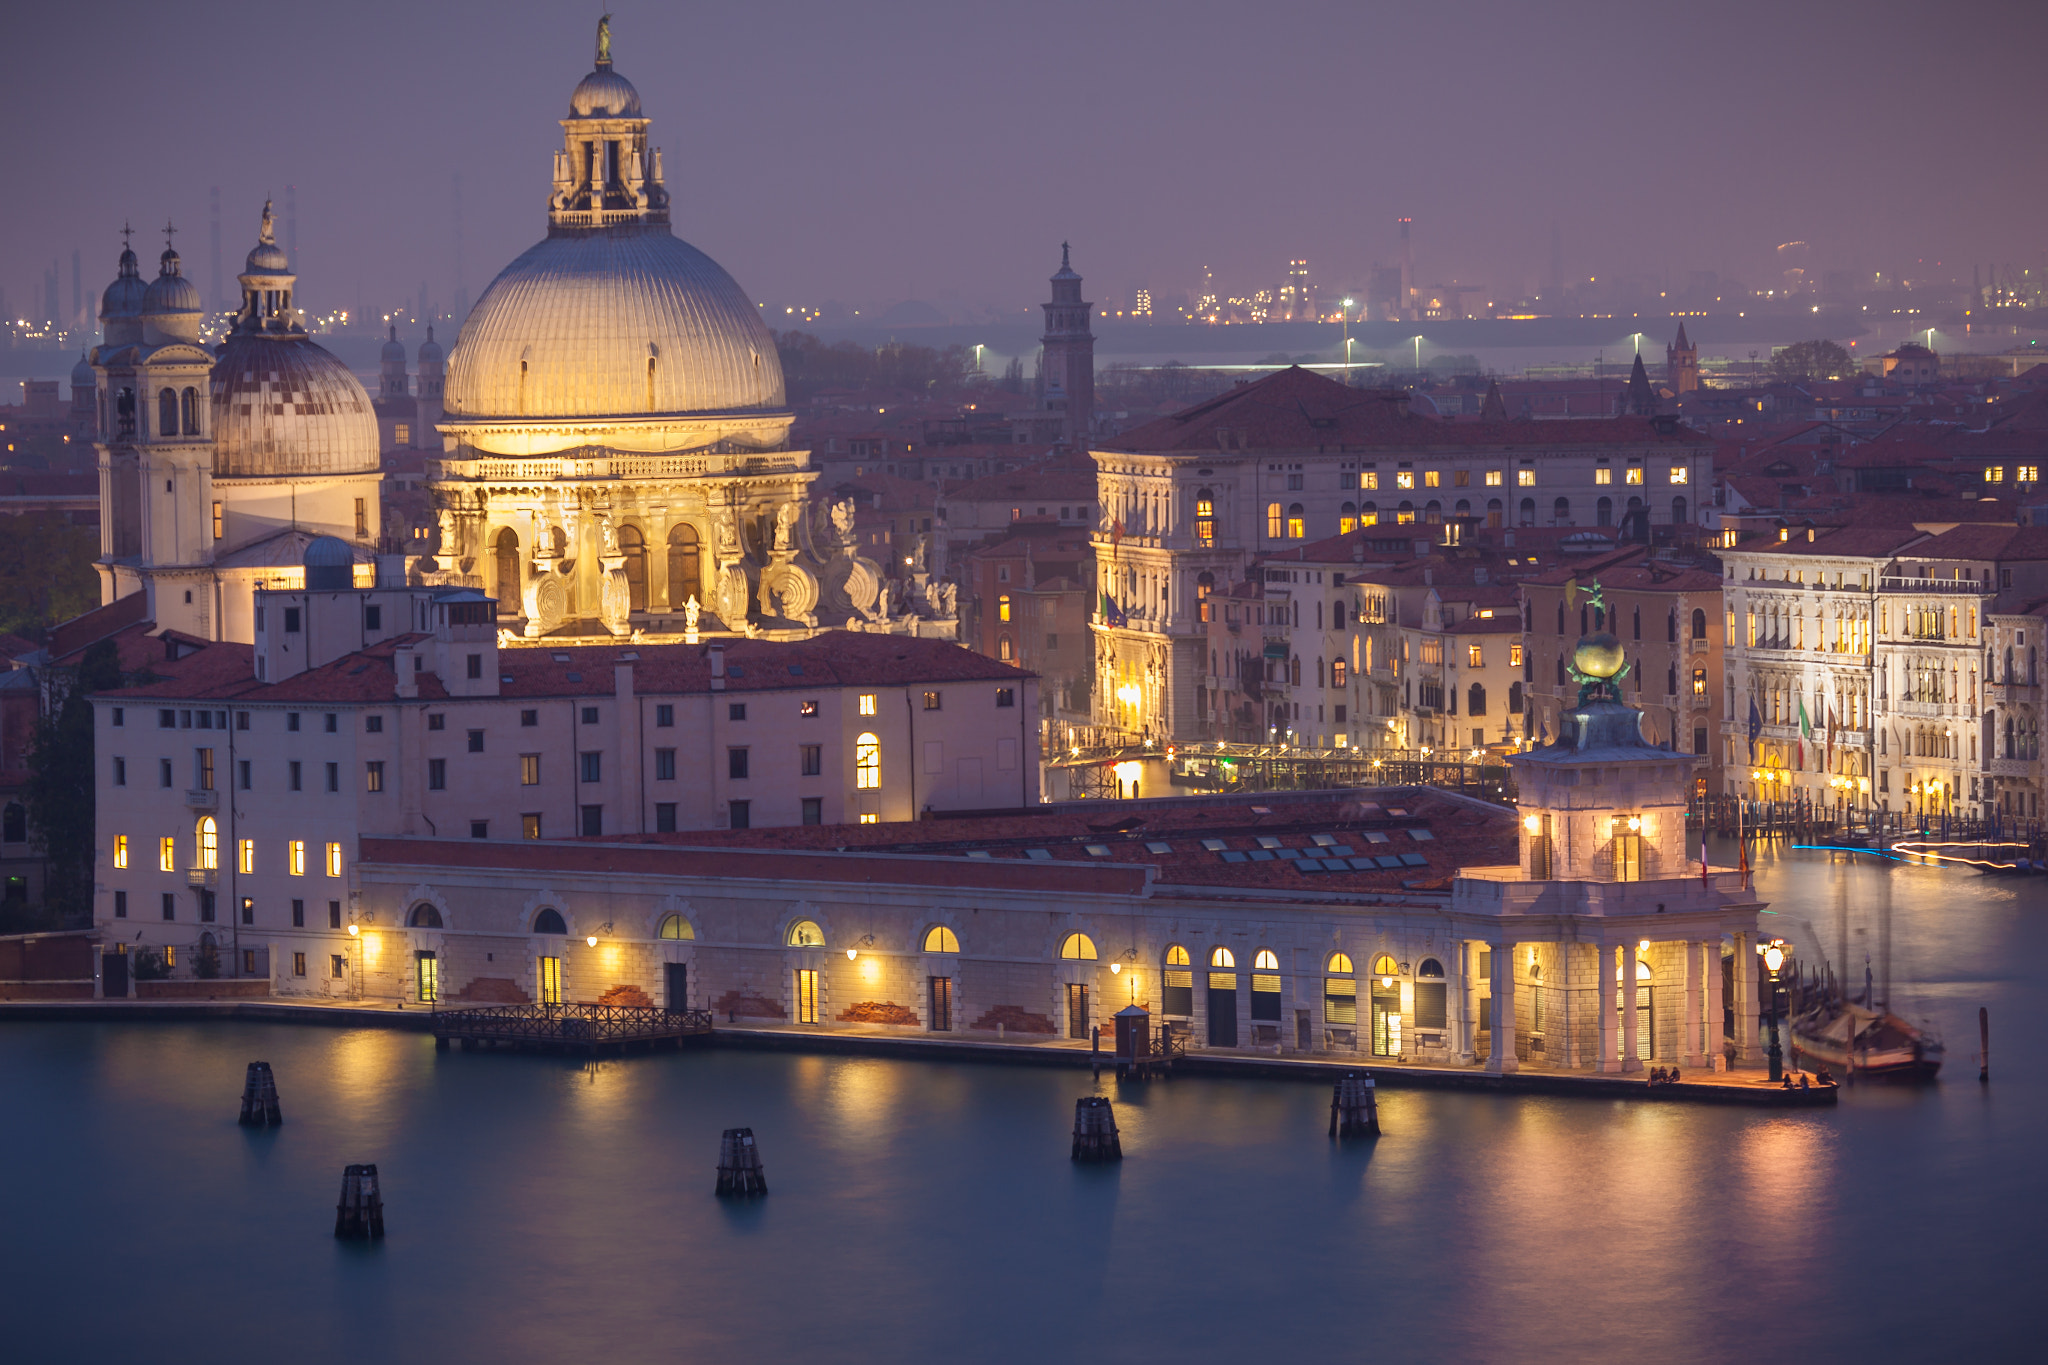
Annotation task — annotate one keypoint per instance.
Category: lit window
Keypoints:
(1679, 473)
(209, 843)
(1634, 474)
(1603, 475)
(1340, 963)
(1296, 522)
(1514, 656)
(1474, 656)
(867, 703)
(2028, 473)
(120, 850)
(675, 926)
(1222, 957)
(1205, 521)
(1368, 480)
(1275, 520)
(941, 940)
(334, 860)
(805, 934)
(1525, 478)
(1432, 479)
(1077, 948)
(1699, 682)
(1404, 479)
(1493, 479)
(867, 762)
(871, 819)
(216, 521)
(1176, 956)
(529, 770)
(245, 856)
(1003, 607)
(1265, 960)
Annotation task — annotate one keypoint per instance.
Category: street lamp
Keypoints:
(1347, 341)
(1418, 355)
(1774, 958)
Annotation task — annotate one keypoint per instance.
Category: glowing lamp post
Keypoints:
(1774, 958)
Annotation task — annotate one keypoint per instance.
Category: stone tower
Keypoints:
(1682, 365)
(1069, 365)
(393, 383)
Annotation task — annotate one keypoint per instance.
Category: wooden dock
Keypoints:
(591, 1029)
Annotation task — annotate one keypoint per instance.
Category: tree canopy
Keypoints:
(1804, 360)
(46, 573)
(60, 786)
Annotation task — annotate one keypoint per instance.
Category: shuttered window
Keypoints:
(1340, 1001)
(1177, 995)
(1430, 1004)
(1265, 996)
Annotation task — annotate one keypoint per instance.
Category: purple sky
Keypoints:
(869, 153)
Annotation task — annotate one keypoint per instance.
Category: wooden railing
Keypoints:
(569, 1026)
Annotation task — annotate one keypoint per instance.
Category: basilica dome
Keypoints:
(604, 93)
(282, 405)
(626, 321)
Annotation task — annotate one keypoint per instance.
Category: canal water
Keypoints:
(543, 1210)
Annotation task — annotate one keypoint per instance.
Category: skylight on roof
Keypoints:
(1043, 855)
(559, 658)
(1325, 840)
(1098, 850)
(1262, 810)
(1268, 841)
(1214, 845)
(979, 853)
(1157, 847)
(1421, 834)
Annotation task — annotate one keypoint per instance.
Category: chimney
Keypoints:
(717, 668)
(405, 664)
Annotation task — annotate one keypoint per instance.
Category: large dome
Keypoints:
(285, 406)
(621, 322)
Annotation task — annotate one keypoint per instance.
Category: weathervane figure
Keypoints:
(604, 41)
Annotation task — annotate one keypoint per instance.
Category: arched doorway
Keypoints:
(685, 568)
(505, 562)
(633, 546)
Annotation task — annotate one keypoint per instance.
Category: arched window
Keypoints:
(1205, 518)
(1339, 964)
(1560, 671)
(1560, 616)
(1642, 970)
(1561, 511)
(1636, 624)
(685, 568)
(1404, 515)
(1297, 522)
(506, 555)
(1337, 675)
(1368, 514)
(1176, 956)
(1671, 681)
(1384, 967)
(188, 410)
(1294, 671)
(1003, 649)
(1003, 607)
(1077, 948)
(1430, 968)
(424, 916)
(1221, 958)
(804, 933)
(1678, 511)
(1275, 521)
(1265, 960)
(1528, 511)
(1347, 518)
(1475, 700)
(675, 927)
(940, 939)
(1493, 512)
(867, 761)
(549, 922)
(633, 546)
(1514, 698)
(209, 842)
(1464, 507)
(167, 413)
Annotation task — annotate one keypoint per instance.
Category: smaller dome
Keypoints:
(1598, 656)
(123, 298)
(430, 350)
(604, 93)
(82, 376)
(330, 565)
(267, 258)
(171, 292)
(394, 349)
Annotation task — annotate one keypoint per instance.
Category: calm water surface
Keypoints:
(544, 1210)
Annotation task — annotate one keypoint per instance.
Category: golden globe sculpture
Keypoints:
(1598, 656)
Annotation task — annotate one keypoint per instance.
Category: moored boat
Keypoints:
(1867, 1044)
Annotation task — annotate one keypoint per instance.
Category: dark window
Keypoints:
(529, 719)
(241, 718)
(333, 726)
(742, 814)
(479, 829)
(664, 765)
(206, 904)
(476, 741)
(736, 710)
(590, 715)
(475, 664)
(931, 701)
(1431, 1010)
(814, 810)
(591, 766)
(664, 715)
(593, 820)
(168, 720)
(294, 767)
(170, 906)
(373, 774)
(373, 725)
(248, 910)
(334, 777)
(437, 774)
(291, 720)
(120, 905)
(665, 817)
(163, 772)
(549, 922)
(334, 914)
(121, 718)
(299, 916)
(736, 763)
(373, 618)
(1006, 696)
(437, 721)
(813, 759)
(242, 766)
(120, 772)
(291, 620)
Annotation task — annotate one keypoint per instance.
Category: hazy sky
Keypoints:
(872, 152)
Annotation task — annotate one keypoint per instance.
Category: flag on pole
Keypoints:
(1831, 739)
(1805, 732)
(1705, 883)
(1756, 726)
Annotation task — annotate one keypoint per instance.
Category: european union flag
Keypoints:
(1756, 727)
(1112, 614)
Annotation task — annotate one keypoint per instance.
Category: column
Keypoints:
(1631, 1022)
(1747, 1052)
(1716, 1042)
(1502, 1059)
(1690, 1048)
(1569, 1057)
(1610, 1057)
(1468, 995)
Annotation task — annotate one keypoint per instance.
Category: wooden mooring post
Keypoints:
(1354, 1107)
(739, 1164)
(1095, 1136)
(259, 1098)
(360, 1214)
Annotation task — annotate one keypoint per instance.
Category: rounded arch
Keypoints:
(1464, 507)
(1384, 965)
(188, 411)
(1176, 955)
(1265, 960)
(675, 927)
(1433, 512)
(685, 567)
(1368, 514)
(1475, 700)
(1004, 649)
(940, 939)
(1221, 957)
(1339, 964)
(1699, 623)
(424, 916)
(549, 921)
(867, 761)
(1430, 968)
(1603, 512)
(1528, 511)
(1561, 511)
(633, 545)
(208, 836)
(1003, 607)
(1642, 970)
(1077, 948)
(804, 933)
(167, 413)
(505, 559)
(1678, 511)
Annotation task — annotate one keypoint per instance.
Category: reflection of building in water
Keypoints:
(615, 430)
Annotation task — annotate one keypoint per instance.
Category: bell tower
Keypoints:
(1069, 366)
(606, 174)
(1682, 365)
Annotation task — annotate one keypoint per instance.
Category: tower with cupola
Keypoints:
(1068, 365)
